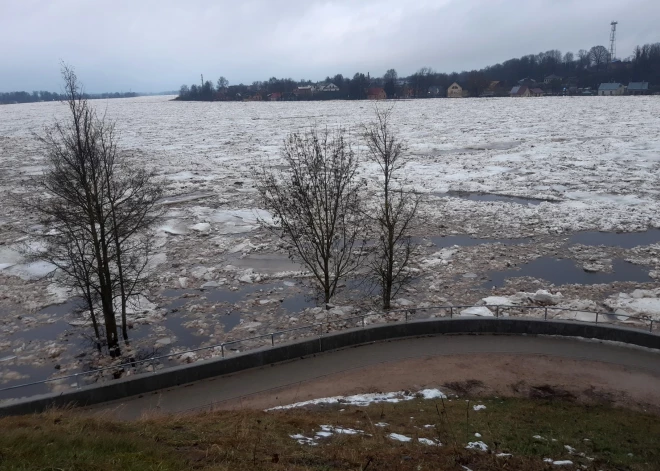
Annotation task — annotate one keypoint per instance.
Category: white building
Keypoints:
(609, 89)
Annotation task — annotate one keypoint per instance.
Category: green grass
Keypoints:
(615, 439)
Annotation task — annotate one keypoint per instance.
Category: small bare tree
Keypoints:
(396, 209)
(315, 202)
(99, 209)
(599, 56)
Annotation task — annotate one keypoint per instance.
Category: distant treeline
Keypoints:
(586, 68)
(25, 97)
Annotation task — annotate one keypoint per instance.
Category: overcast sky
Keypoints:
(157, 45)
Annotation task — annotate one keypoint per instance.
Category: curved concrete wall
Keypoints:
(175, 376)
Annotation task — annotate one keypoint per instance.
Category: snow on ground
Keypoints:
(364, 400)
(479, 445)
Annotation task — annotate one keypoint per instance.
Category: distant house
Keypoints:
(638, 88)
(304, 91)
(551, 78)
(520, 91)
(456, 91)
(275, 96)
(407, 92)
(536, 92)
(376, 94)
(330, 87)
(609, 89)
(530, 82)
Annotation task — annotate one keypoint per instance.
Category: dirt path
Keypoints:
(479, 375)
(475, 365)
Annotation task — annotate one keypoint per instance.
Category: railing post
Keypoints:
(272, 340)
(545, 317)
(78, 380)
(597, 317)
(363, 322)
(451, 312)
(651, 328)
(222, 349)
(406, 316)
(497, 312)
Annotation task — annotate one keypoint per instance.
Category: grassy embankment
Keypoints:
(603, 438)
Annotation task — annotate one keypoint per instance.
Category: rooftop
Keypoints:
(609, 86)
(634, 86)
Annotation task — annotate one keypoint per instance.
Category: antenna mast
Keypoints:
(613, 41)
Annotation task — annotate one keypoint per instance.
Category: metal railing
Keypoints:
(319, 328)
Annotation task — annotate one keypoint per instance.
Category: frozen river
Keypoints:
(510, 183)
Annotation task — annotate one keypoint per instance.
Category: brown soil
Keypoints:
(479, 375)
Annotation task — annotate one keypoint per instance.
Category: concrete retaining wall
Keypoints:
(175, 376)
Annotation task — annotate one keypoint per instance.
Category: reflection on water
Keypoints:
(625, 240)
(565, 271)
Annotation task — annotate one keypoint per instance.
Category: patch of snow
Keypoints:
(303, 440)
(363, 400)
(503, 455)
(340, 430)
(379, 424)
(398, 437)
(481, 446)
(562, 463)
(479, 407)
(432, 394)
(426, 441)
(478, 435)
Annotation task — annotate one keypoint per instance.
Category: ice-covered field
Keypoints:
(525, 174)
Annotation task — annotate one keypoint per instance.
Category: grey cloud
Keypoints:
(148, 45)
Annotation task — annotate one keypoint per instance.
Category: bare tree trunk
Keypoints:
(316, 204)
(100, 209)
(396, 210)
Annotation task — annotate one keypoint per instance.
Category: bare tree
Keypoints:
(396, 209)
(599, 56)
(390, 82)
(315, 204)
(222, 83)
(99, 209)
(583, 59)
